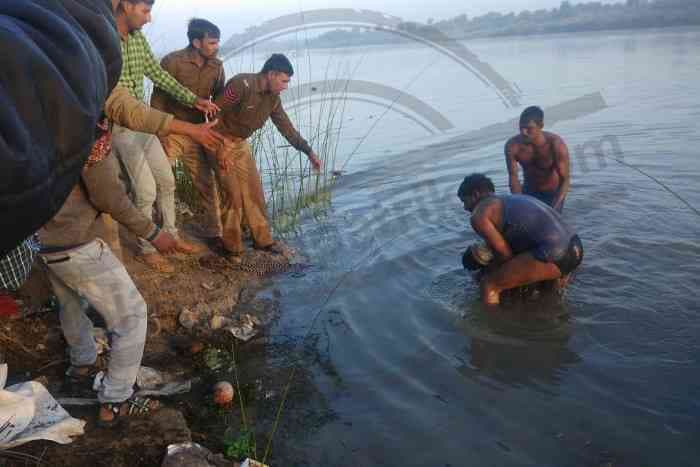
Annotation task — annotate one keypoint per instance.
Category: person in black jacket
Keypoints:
(60, 61)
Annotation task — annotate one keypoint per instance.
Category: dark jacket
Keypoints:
(60, 60)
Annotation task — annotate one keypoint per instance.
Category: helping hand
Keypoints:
(206, 136)
(206, 106)
(315, 161)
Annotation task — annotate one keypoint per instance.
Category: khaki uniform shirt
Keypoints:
(246, 106)
(204, 81)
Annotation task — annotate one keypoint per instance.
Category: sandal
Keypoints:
(113, 413)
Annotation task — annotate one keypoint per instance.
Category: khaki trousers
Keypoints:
(244, 199)
(201, 171)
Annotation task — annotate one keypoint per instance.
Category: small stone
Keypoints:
(223, 393)
(187, 319)
(196, 347)
(219, 322)
(207, 286)
(253, 463)
(149, 378)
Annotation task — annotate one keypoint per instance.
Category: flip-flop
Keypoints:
(132, 407)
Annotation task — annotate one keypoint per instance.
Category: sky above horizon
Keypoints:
(234, 16)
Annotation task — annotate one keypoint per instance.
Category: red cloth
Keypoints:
(8, 306)
(102, 145)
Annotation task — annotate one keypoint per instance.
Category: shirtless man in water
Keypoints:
(544, 158)
(527, 241)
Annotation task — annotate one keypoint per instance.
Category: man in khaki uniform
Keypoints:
(246, 103)
(197, 68)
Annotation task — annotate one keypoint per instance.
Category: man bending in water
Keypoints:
(544, 158)
(528, 239)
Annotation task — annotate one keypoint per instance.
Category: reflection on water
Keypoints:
(524, 342)
(608, 373)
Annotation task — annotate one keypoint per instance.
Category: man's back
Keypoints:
(528, 224)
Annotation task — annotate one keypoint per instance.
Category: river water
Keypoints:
(416, 372)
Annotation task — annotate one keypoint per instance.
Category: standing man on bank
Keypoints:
(197, 68)
(544, 158)
(246, 103)
(143, 155)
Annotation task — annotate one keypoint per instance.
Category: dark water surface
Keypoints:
(421, 374)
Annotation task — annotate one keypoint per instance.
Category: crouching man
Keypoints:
(83, 271)
(526, 239)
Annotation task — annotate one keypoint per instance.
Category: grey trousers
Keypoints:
(151, 176)
(92, 275)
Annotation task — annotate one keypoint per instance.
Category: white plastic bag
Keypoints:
(28, 413)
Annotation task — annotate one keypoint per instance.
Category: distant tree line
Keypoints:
(591, 16)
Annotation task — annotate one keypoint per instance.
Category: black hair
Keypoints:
(199, 28)
(532, 113)
(474, 183)
(280, 63)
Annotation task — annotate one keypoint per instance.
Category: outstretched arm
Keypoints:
(162, 79)
(125, 110)
(561, 153)
(512, 165)
(159, 98)
(284, 125)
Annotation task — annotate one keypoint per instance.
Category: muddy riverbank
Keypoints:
(259, 369)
